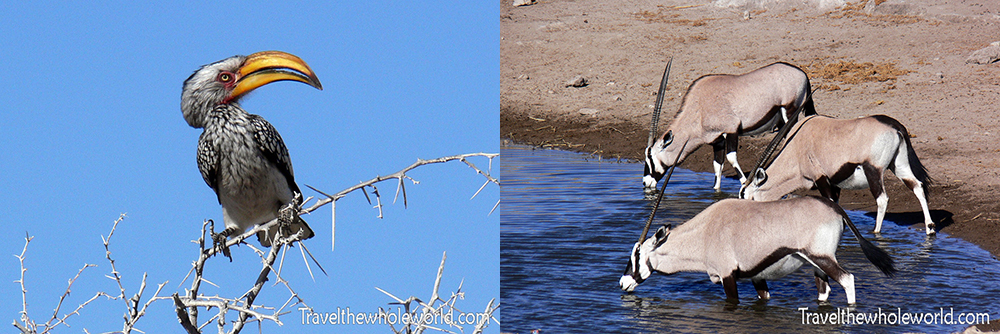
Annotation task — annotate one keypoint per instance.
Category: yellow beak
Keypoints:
(265, 67)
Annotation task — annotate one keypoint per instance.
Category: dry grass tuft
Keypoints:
(661, 16)
(849, 72)
(857, 11)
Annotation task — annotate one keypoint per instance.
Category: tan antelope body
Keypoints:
(718, 108)
(833, 154)
(735, 239)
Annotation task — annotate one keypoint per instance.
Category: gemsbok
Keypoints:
(736, 238)
(833, 154)
(718, 108)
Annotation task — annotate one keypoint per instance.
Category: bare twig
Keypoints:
(55, 313)
(133, 310)
(485, 321)
(26, 326)
(183, 316)
(107, 254)
(429, 312)
(402, 174)
(400, 177)
(281, 280)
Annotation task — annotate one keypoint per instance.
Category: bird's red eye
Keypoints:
(225, 77)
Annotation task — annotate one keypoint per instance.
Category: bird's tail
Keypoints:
(299, 224)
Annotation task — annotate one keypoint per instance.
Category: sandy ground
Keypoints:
(902, 59)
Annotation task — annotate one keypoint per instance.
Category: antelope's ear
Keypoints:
(661, 235)
(667, 138)
(760, 177)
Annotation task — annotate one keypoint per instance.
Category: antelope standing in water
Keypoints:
(718, 108)
(736, 238)
(833, 154)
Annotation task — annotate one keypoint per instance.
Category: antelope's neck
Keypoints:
(680, 253)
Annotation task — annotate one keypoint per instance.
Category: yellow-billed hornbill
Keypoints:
(240, 155)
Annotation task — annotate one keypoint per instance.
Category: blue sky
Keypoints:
(92, 127)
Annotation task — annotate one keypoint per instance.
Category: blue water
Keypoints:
(568, 221)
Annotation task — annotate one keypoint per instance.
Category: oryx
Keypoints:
(736, 238)
(718, 108)
(833, 154)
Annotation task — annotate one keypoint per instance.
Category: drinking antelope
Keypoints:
(718, 108)
(736, 238)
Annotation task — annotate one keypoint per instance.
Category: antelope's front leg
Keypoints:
(719, 148)
(874, 176)
(729, 285)
(831, 268)
(761, 286)
(732, 143)
(822, 286)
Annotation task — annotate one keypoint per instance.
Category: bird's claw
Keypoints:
(219, 243)
(287, 214)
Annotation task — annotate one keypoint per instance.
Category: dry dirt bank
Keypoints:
(902, 59)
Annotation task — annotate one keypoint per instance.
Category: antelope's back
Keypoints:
(831, 142)
(758, 227)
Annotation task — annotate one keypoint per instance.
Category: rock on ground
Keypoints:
(985, 55)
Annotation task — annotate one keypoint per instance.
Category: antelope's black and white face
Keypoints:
(639, 268)
(749, 189)
(657, 160)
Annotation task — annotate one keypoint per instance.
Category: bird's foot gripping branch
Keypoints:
(187, 306)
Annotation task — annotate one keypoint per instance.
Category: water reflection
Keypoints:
(567, 225)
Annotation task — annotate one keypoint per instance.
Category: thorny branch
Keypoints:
(134, 312)
(431, 313)
(400, 176)
(187, 306)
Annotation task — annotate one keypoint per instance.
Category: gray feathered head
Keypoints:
(225, 81)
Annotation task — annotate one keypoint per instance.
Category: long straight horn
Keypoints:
(642, 237)
(659, 103)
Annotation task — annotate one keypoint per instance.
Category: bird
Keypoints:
(241, 155)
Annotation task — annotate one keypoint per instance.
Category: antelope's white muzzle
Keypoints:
(648, 182)
(627, 283)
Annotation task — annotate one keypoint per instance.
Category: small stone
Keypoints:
(616, 97)
(588, 111)
(578, 81)
(985, 55)
(518, 3)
